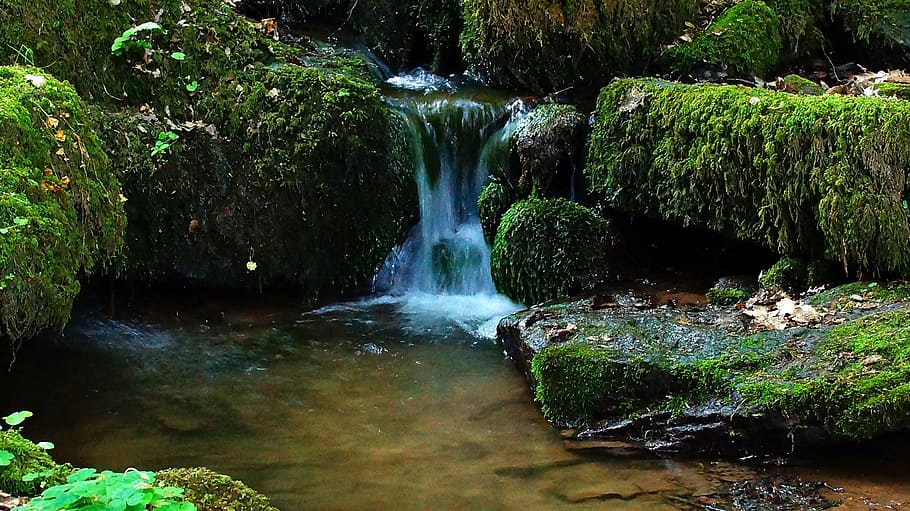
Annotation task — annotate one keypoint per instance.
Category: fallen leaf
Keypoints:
(60, 136)
(37, 81)
(52, 122)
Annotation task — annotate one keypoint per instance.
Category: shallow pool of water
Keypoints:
(387, 404)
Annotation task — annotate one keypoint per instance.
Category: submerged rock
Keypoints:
(811, 176)
(708, 380)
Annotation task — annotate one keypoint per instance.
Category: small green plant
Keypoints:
(165, 140)
(24, 55)
(13, 419)
(126, 43)
(88, 490)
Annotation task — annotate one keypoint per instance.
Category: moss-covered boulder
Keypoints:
(893, 90)
(211, 491)
(545, 45)
(798, 85)
(744, 40)
(684, 379)
(494, 201)
(61, 214)
(308, 175)
(803, 175)
(881, 26)
(550, 248)
(28, 458)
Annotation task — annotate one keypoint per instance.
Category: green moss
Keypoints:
(864, 390)
(494, 201)
(880, 25)
(787, 274)
(803, 175)
(28, 458)
(849, 296)
(726, 295)
(745, 40)
(550, 248)
(799, 85)
(61, 214)
(893, 90)
(545, 45)
(799, 20)
(211, 491)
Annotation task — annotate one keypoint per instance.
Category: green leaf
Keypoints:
(33, 476)
(904, 204)
(177, 55)
(4, 230)
(6, 458)
(81, 475)
(20, 221)
(45, 445)
(14, 419)
(192, 86)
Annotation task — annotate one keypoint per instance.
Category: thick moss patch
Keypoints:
(545, 45)
(550, 248)
(802, 175)
(28, 458)
(745, 40)
(548, 142)
(61, 215)
(211, 491)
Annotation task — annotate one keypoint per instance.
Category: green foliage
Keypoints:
(60, 214)
(726, 295)
(211, 491)
(544, 45)
(880, 25)
(550, 248)
(164, 142)
(125, 42)
(88, 490)
(494, 201)
(893, 90)
(25, 467)
(799, 20)
(745, 40)
(802, 175)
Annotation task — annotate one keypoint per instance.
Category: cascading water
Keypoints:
(458, 142)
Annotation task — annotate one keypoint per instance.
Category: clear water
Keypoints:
(377, 405)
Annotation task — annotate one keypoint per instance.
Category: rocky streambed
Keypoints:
(772, 375)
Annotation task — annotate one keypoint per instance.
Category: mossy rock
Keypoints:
(62, 216)
(787, 274)
(799, 85)
(309, 176)
(211, 491)
(545, 45)
(656, 374)
(881, 26)
(745, 40)
(548, 141)
(28, 458)
(893, 90)
(550, 248)
(726, 295)
(803, 175)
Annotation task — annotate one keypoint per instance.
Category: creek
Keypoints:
(398, 401)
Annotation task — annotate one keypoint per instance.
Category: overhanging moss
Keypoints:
(883, 26)
(811, 176)
(550, 248)
(544, 45)
(745, 40)
(61, 213)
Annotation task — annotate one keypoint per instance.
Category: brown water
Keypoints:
(379, 407)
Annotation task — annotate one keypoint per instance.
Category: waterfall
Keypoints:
(458, 142)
